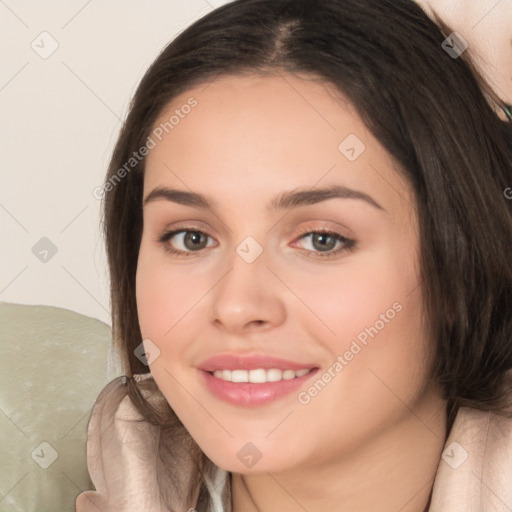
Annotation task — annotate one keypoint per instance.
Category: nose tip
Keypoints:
(247, 297)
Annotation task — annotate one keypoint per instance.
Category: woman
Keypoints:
(309, 243)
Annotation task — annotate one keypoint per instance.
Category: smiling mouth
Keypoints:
(257, 386)
(259, 375)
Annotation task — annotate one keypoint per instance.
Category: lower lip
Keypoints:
(249, 394)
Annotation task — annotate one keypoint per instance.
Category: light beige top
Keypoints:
(474, 473)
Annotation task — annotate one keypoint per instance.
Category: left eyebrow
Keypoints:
(285, 200)
(304, 197)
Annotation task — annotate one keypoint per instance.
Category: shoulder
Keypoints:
(122, 449)
(475, 469)
(136, 464)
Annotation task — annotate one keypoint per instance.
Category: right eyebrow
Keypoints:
(180, 197)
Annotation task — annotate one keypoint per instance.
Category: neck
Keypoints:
(395, 470)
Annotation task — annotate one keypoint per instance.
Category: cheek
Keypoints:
(161, 295)
(350, 298)
(371, 314)
(170, 308)
(377, 315)
(388, 371)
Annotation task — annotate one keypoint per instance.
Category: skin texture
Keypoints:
(486, 25)
(372, 438)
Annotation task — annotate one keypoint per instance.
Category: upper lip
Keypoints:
(249, 362)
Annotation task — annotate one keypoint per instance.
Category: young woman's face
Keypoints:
(280, 161)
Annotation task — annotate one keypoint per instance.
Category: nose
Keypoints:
(249, 297)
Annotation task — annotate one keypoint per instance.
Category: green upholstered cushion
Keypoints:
(53, 366)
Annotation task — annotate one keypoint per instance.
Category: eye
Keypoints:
(323, 243)
(185, 241)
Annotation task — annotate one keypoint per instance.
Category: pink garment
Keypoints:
(474, 473)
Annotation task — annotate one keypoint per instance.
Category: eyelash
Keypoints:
(348, 244)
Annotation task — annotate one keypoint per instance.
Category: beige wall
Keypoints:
(60, 114)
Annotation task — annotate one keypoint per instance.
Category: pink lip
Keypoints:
(248, 394)
(250, 362)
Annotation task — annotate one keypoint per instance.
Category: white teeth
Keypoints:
(239, 376)
(274, 375)
(259, 375)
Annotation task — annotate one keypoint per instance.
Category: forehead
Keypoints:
(260, 132)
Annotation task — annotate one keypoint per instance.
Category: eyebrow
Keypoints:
(285, 200)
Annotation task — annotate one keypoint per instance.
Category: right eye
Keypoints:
(186, 240)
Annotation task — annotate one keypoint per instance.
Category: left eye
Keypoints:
(322, 241)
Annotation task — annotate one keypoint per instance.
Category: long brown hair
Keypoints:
(426, 108)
